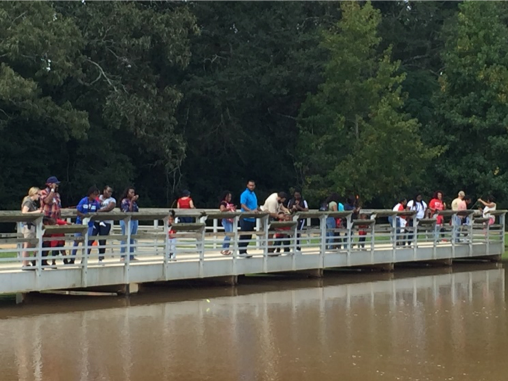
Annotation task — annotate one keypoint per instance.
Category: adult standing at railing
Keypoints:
(86, 205)
(295, 205)
(436, 204)
(129, 204)
(249, 204)
(226, 206)
(185, 202)
(274, 205)
(420, 207)
(489, 206)
(51, 203)
(108, 203)
(28, 206)
(332, 204)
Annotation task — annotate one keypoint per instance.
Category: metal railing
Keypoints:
(308, 233)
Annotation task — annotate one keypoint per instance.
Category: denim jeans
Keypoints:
(400, 238)
(330, 224)
(134, 230)
(228, 228)
(458, 223)
(91, 233)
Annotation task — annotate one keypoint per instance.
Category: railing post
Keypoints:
(167, 247)
(324, 231)
(215, 229)
(39, 233)
(234, 242)
(455, 233)
(372, 237)
(502, 221)
(84, 260)
(200, 245)
(349, 229)
(415, 237)
(258, 228)
(264, 243)
(127, 253)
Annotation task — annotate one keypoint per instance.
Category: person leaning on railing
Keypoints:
(108, 203)
(29, 206)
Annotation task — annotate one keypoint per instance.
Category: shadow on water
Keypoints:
(179, 291)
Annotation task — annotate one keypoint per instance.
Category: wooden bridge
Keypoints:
(197, 247)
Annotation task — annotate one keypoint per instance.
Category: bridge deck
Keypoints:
(198, 251)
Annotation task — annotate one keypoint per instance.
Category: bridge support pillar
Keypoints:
(20, 297)
(126, 289)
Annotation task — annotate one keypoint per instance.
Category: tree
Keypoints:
(353, 135)
(472, 103)
(38, 48)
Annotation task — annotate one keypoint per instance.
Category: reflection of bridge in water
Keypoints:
(197, 248)
(258, 334)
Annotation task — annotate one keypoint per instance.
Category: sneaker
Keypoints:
(244, 255)
(28, 268)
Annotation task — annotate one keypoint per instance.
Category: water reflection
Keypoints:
(442, 326)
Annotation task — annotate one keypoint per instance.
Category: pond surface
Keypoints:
(417, 324)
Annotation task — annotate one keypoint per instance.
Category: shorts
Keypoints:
(29, 232)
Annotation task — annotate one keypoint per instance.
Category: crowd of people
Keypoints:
(279, 206)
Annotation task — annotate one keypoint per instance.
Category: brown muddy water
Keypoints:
(418, 324)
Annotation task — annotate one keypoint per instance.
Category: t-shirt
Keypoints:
(28, 202)
(250, 200)
(105, 202)
(400, 208)
(86, 206)
(184, 202)
(129, 206)
(455, 203)
(272, 204)
(419, 207)
(437, 204)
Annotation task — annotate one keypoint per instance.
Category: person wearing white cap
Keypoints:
(50, 199)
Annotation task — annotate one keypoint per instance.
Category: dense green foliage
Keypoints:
(377, 99)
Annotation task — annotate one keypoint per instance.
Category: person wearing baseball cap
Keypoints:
(50, 199)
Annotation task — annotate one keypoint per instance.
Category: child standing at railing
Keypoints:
(281, 237)
(362, 232)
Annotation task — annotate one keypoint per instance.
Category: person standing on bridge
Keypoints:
(129, 205)
(108, 203)
(50, 199)
(249, 203)
(87, 205)
(274, 205)
(295, 205)
(185, 202)
(226, 206)
(420, 207)
(435, 206)
(28, 205)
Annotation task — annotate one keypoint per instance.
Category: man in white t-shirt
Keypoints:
(274, 206)
(108, 203)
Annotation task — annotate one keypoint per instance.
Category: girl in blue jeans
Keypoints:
(226, 206)
(129, 205)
